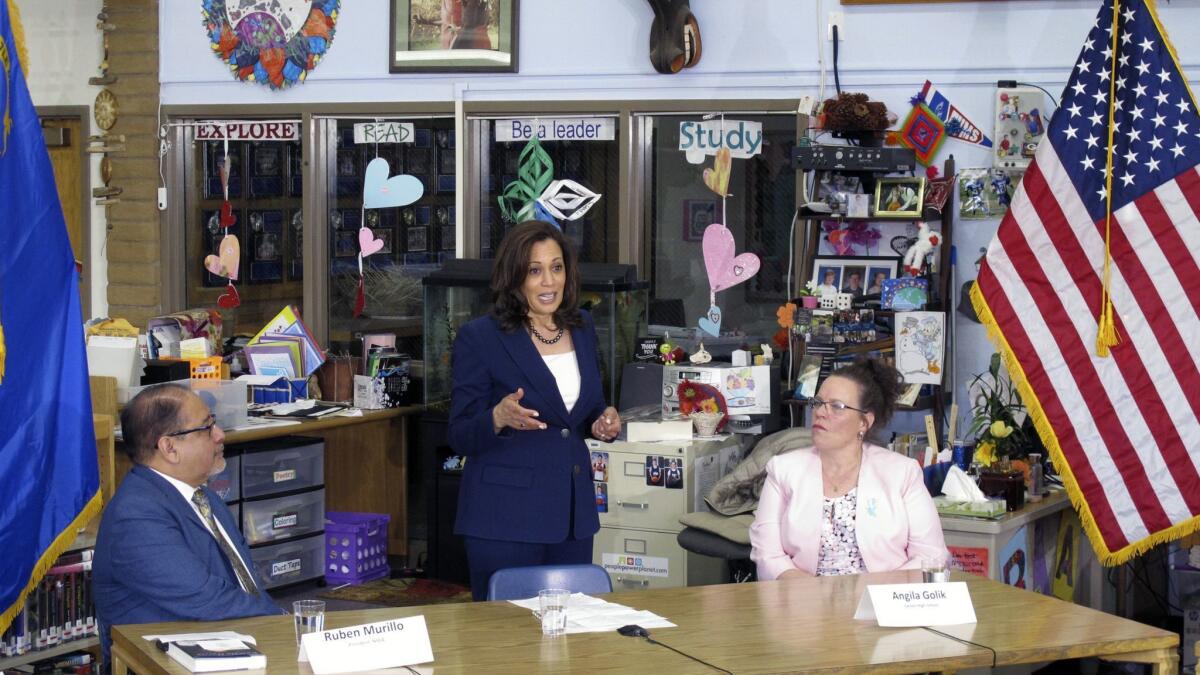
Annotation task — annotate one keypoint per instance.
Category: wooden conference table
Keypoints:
(782, 626)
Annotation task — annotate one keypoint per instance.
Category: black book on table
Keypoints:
(206, 656)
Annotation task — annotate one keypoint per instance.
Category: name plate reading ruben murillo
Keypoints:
(370, 646)
(907, 605)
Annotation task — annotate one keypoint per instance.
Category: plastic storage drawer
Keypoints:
(227, 484)
(290, 464)
(289, 562)
(283, 517)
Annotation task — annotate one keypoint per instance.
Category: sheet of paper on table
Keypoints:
(586, 614)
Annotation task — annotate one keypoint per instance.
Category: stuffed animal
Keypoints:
(914, 257)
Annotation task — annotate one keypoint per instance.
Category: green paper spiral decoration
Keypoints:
(535, 173)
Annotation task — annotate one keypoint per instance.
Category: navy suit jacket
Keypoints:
(517, 485)
(156, 561)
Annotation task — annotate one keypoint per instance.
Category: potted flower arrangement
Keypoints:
(1001, 442)
(808, 295)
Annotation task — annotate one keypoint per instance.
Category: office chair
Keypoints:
(515, 583)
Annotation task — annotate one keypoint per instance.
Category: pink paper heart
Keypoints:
(367, 243)
(724, 269)
(226, 263)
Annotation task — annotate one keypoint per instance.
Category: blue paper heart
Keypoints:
(711, 323)
(381, 192)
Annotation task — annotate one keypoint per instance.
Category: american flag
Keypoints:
(1123, 430)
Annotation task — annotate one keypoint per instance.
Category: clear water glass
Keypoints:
(553, 604)
(309, 616)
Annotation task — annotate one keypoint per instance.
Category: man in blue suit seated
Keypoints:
(168, 549)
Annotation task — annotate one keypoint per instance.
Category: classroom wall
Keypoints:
(64, 51)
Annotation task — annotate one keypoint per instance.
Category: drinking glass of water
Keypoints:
(553, 603)
(309, 616)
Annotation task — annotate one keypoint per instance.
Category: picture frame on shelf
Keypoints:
(453, 36)
(417, 239)
(901, 197)
(839, 274)
(698, 214)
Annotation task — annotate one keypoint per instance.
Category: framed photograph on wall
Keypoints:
(698, 214)
(899, 197)
(417, 239)
(835, 274)
(453, 36)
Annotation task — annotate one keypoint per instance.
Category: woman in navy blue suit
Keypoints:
(526, 392)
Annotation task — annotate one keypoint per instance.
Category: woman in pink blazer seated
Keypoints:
(846, 506)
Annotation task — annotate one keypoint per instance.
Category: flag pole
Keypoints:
(1106, 334)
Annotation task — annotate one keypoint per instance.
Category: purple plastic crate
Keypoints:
(355, 546)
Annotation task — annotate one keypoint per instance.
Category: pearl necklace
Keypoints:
(543, 340)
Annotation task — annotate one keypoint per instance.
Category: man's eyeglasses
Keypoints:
(212, 422)
(835, 407)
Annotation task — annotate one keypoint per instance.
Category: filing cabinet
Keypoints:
(637, 543)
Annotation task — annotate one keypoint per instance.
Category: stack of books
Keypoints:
(58, 610)
(218, 655)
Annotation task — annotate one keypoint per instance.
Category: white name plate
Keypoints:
(904, 605)
(371, 646)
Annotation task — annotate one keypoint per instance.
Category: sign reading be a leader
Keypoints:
(556, 129)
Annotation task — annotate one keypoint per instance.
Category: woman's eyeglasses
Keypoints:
(835, 407)
(212, 422)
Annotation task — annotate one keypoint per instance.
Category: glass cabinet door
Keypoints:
(758, 211)
(265, 192)
(416, 237)
(592, 163)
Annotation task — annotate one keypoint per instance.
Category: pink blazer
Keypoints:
(896, 523)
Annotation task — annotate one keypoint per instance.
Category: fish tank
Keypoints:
(461, 291)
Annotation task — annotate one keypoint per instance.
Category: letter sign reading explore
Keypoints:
(522, 129)
(698, 140)
(217, 130)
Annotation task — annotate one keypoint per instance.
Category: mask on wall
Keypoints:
(674, 36)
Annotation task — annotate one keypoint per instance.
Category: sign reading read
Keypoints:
(556, 129)
(907, 605)
(248, 131)
(370, 646)
(383, 132)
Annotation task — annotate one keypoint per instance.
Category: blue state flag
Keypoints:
(49, 477)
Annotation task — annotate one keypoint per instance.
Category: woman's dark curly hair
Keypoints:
(878, 385)
(512, 268)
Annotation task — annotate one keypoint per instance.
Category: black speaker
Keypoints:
(641, 384)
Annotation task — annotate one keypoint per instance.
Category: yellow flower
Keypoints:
(709, 406)
(999, 429)
(985, 453)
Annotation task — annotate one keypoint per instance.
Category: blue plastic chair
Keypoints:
(515, 583)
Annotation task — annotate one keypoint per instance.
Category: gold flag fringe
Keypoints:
(1050, 439)
(56, 548)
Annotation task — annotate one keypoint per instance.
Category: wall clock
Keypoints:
(105, 109)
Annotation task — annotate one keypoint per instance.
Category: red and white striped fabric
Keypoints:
(1123, 430)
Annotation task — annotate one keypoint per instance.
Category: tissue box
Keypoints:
(992, 508)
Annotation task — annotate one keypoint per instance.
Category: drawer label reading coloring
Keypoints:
(284, 521)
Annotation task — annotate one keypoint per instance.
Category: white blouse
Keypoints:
(565, 370)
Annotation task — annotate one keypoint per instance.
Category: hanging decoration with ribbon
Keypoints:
(227, 260)
(725, 268)
(381, 190)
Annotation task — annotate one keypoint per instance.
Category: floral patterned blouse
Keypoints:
(839, 546)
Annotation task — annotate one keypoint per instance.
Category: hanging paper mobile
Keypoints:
(725, 270)
(381, 190)
(717, 178)
(567, 199)
(534, 175)
(227, 260)
(271, 42)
